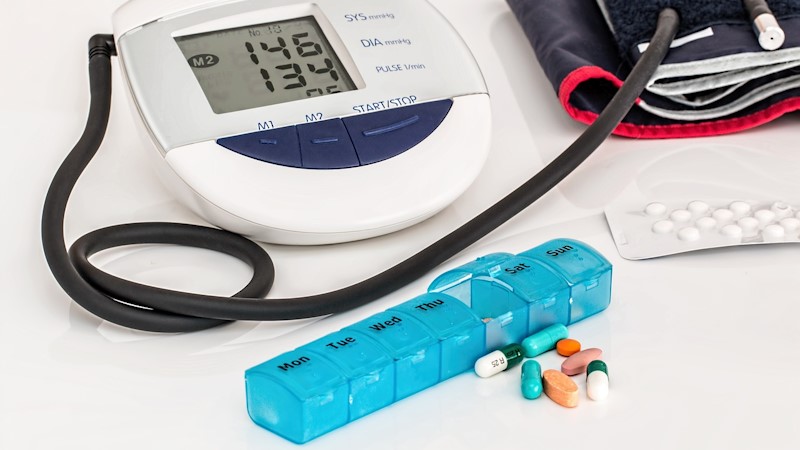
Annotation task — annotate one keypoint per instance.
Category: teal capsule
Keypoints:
(531, 380)
(544, 340)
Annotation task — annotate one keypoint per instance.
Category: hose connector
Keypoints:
(102, 45)
(769, 33)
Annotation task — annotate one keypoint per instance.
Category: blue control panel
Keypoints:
(467, 312)
(342, 143)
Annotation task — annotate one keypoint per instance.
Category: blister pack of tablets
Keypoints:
(657, 227)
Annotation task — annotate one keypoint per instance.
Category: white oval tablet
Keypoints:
(689, 234)
(706, 223)
(680, 215)
(698, 207)
(663, 227)
(773, 233)
(732, 231)
(781, 210)
(790, 224)
(722, 215)
(764, 216)
(740, 208)
(655, 209)
(749, 226)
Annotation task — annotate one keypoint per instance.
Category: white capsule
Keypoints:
(655, 209)
(499, 360)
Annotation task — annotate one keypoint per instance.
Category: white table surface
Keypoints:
(701, 347)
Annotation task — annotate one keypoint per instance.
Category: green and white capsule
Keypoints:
(531, 380)
(498, 361)
(597, 380)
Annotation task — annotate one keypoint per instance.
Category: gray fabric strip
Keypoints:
(757, 95)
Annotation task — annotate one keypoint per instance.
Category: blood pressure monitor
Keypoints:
(306, 122)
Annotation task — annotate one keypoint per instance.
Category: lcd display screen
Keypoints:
(266, 64)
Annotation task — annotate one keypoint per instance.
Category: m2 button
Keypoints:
(278, 146)
(326, 145)
(385, 134)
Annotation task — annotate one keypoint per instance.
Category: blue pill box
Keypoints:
(468, 311)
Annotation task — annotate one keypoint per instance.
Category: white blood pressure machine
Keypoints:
(306, 123)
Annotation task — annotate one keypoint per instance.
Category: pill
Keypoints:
(790, 224)
(739, 208)
(749, 226)
(732, 231)
(781, 210)
(655, 209)
(545, 340)
(663, 227)
(531, 380)
(689, 234)
(722, 215)
(773, 233)
(680, 215)
(706, 223)
(498, 361)
(698, 207)
(764, 216)
(577, 363)
(597, 380)
(568, 347)
(560, 388)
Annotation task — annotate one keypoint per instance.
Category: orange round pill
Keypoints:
(568, 347)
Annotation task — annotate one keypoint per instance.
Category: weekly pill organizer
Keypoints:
(467, 312)
(306, 123)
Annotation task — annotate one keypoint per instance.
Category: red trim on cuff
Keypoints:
(676, 130)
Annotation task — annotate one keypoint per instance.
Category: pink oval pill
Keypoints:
(577, 363)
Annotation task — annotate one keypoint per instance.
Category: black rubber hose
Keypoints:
(154, 309)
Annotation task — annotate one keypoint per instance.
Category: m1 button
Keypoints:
(279, 146)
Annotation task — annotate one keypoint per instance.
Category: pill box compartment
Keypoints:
(461, 335)
(297, 395)
(515, 296)
(367, 367)
(586, 271)
(415, 350)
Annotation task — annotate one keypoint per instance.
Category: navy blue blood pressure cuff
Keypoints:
(715, 80)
